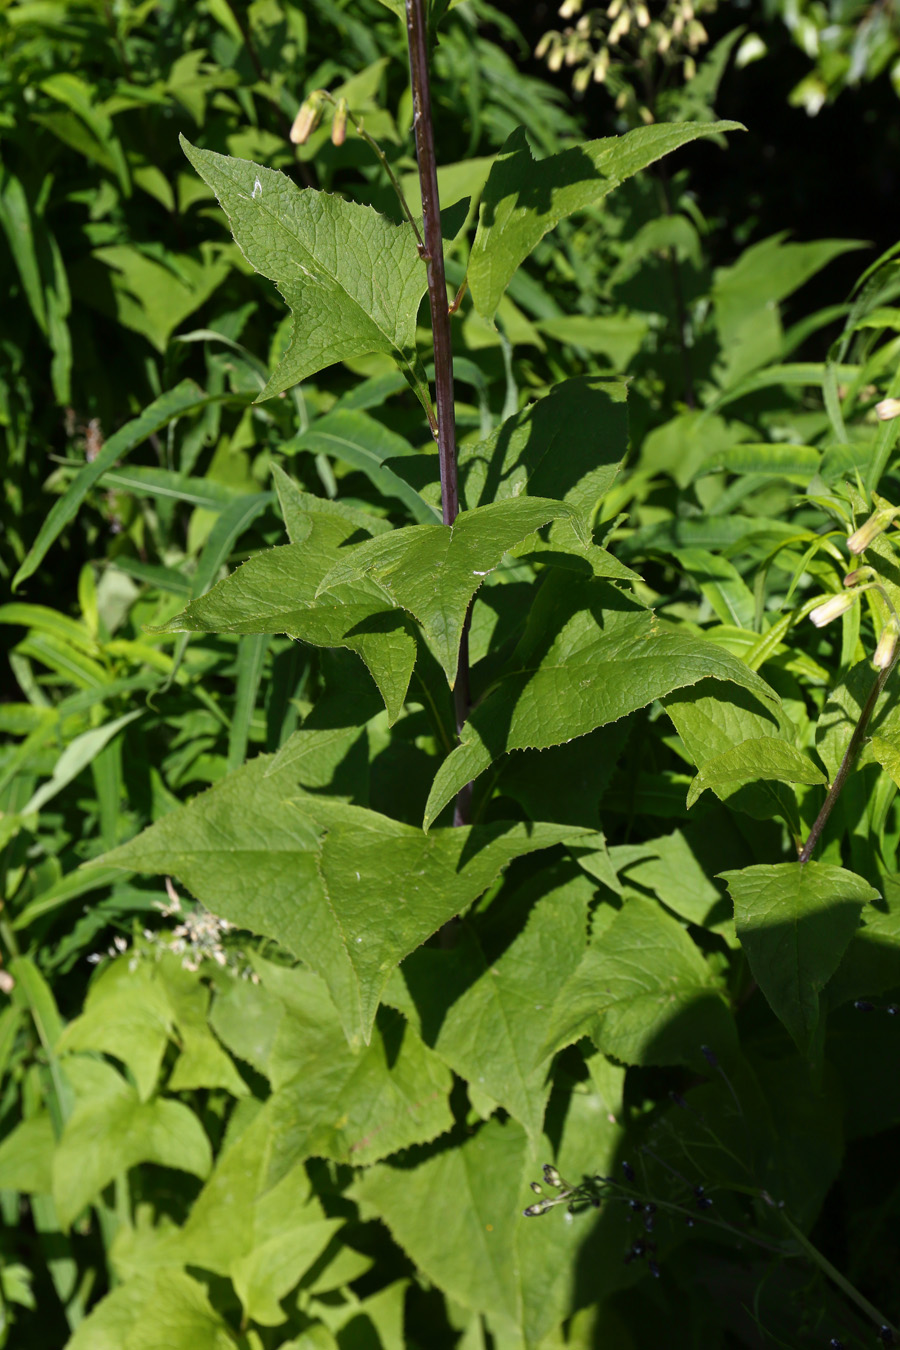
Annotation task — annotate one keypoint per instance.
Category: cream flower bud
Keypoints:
(339, 125)
(877, 523)
(307, 118)
(887, 409)
(833, 608)
(887, 646)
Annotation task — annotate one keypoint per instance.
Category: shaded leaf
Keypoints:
(184, 398)
(607, 657)
(644, 993)
(794, 921)
(153, 1309)
(499, 1009)
(111, 1129)
(763, 757)
(275, 592)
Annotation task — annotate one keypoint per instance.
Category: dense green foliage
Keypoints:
(284, 1053)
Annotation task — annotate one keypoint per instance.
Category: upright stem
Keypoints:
(840, 777)
(678, 297)
(440, 323)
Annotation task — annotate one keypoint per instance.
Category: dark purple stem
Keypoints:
(440, 323)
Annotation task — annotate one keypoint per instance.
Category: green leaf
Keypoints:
(711, 721)
(765, 757)
(111, 1129)
(256, 1221)
(458, 1215)
(871, 963)
(347, 890)
(842, 712)
(721, 583)
(608, 657)
(153, 1309)
(15, 218)
(568, 445)
(25, 1156)
(184, 398)
(679, 873)
(296, 506)
(78, 754)
(364, 444)
(524, 199)
(616, 336)
(330, 1099)
(794, 921)
(499, 1009)
(276, 592)
(352, 278)
(433, 571)
(746, 297)
(128, 1015)
(644, 993)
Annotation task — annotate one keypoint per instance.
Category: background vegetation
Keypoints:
(147, 1197)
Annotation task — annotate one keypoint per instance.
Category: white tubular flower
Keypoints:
(619, 28)
(833, 608)
(887, 409)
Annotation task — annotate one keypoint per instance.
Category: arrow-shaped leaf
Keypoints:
(434, 570)
(352, 278)
(523, 199)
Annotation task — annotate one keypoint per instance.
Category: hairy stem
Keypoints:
(440, 322)
(840, 777)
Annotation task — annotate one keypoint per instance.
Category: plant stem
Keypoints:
(840, 777)
(678, 296)
(440, 323)
(835, 1276)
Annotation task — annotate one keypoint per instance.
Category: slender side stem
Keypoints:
(846, 1288)
(840, 777)
(440, 323)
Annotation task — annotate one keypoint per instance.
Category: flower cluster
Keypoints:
(626, 31)
(198, 937)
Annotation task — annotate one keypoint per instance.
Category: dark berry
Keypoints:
(628, 1171)
(709, 1056)
(863, 1005)
(654, 1269)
